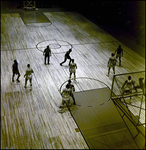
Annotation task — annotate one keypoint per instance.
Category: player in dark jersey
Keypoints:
(47, 54)
(67, 56)
(15, 71)
(119, 54)
(71, 86)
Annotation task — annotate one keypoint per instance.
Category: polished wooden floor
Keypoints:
(30, 119)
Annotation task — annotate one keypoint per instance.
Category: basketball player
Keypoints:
(71, 86)
(141, 85)
(111, 63)
(67, 56)
(28, 75)
(128, 86)
(66, 95)
(47, 54)
(119, 53)
(72, 69)
(15, 71)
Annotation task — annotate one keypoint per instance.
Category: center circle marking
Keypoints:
(54, 46)
(59, 45)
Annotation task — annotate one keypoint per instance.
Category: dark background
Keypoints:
(129, 15)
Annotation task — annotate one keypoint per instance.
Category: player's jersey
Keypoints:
(73, 67)
(119, 50)
(66, 94)
(15, 67)
(29, 72)
(67, 54)
(71, 87)
(128, 84)
(112, 61)
(47, 51)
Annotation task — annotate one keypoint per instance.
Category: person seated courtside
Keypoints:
(140, 86)
(128, 86)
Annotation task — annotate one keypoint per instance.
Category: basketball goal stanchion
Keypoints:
(29, 5)
(119, 98)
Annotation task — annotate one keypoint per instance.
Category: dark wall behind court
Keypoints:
(129, 15)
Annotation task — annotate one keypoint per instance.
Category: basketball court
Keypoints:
(30, 118)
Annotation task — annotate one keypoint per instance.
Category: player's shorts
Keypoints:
(66, 98)
(73, 71)
(118, 55)
(29, 77)
(111, 65)
(16, 72)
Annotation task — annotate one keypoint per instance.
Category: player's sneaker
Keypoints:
(18, 80)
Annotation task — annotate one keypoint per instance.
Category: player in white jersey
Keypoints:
(66, 95)
(28, 75)
(128, 86)
(72, 69)
(111, 63)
